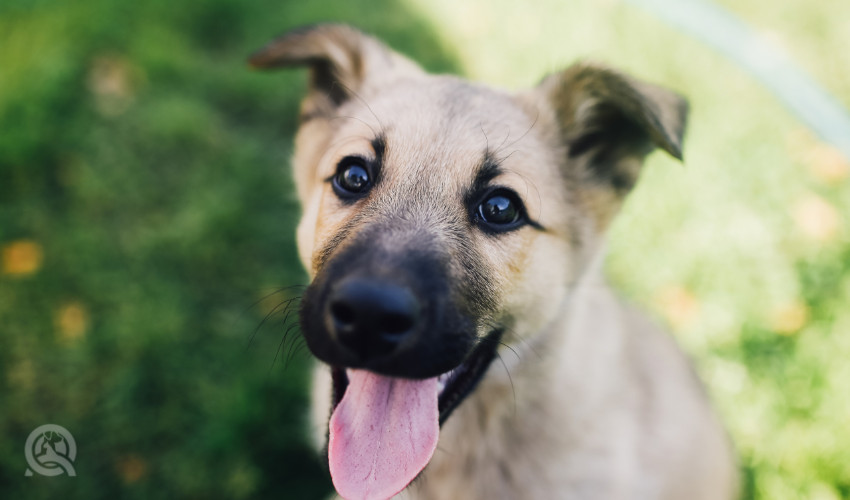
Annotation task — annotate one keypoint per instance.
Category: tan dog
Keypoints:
(447, 225)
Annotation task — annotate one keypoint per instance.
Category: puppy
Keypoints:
(454, 237)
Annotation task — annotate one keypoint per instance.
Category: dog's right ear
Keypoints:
(343, 62)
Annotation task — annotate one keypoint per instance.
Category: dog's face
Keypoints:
(443, 218)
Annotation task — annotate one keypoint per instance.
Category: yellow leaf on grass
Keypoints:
(678, 305)
(827, 164)
(22, 257)
(72, 321)
(816, 218)
(112, 80)
(131, 468)
(789, 318)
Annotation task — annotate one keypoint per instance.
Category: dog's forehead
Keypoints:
(441, 130)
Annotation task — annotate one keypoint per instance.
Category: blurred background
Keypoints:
(147, 220)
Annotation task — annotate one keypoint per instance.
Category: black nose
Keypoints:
(372, 318)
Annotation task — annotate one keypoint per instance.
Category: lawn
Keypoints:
(147, 222)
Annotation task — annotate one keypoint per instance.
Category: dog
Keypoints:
(454, 235)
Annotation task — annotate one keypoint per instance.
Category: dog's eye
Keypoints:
(352, 178)
(500, 211)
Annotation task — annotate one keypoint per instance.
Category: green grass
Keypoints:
(145, 206)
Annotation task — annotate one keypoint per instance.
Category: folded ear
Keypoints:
(609, 122)
(343, 62)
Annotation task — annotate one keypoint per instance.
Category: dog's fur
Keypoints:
(589, 400)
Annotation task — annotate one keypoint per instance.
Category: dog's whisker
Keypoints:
(263, 322)
(507, 346)
(286, 329)
(293, 343)
(502, 144)
(300, 348)
(496, 326)
(277, 353)
(486, 139)
(288, 311)
(350, 117)
(360, 98)
(525, 342)
(510, 379)
(530, 128)
(275, 310)
(501, 343)
(528, 183)
(504, 158)
(350, 139)
(275, 291)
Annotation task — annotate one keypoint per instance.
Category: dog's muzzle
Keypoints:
(389, 308)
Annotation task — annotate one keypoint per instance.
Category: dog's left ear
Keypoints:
(608, 122)
(343, 62)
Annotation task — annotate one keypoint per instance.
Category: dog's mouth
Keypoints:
(384, 430)
(453, 385)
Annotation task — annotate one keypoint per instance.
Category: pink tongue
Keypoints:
(382, 434)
